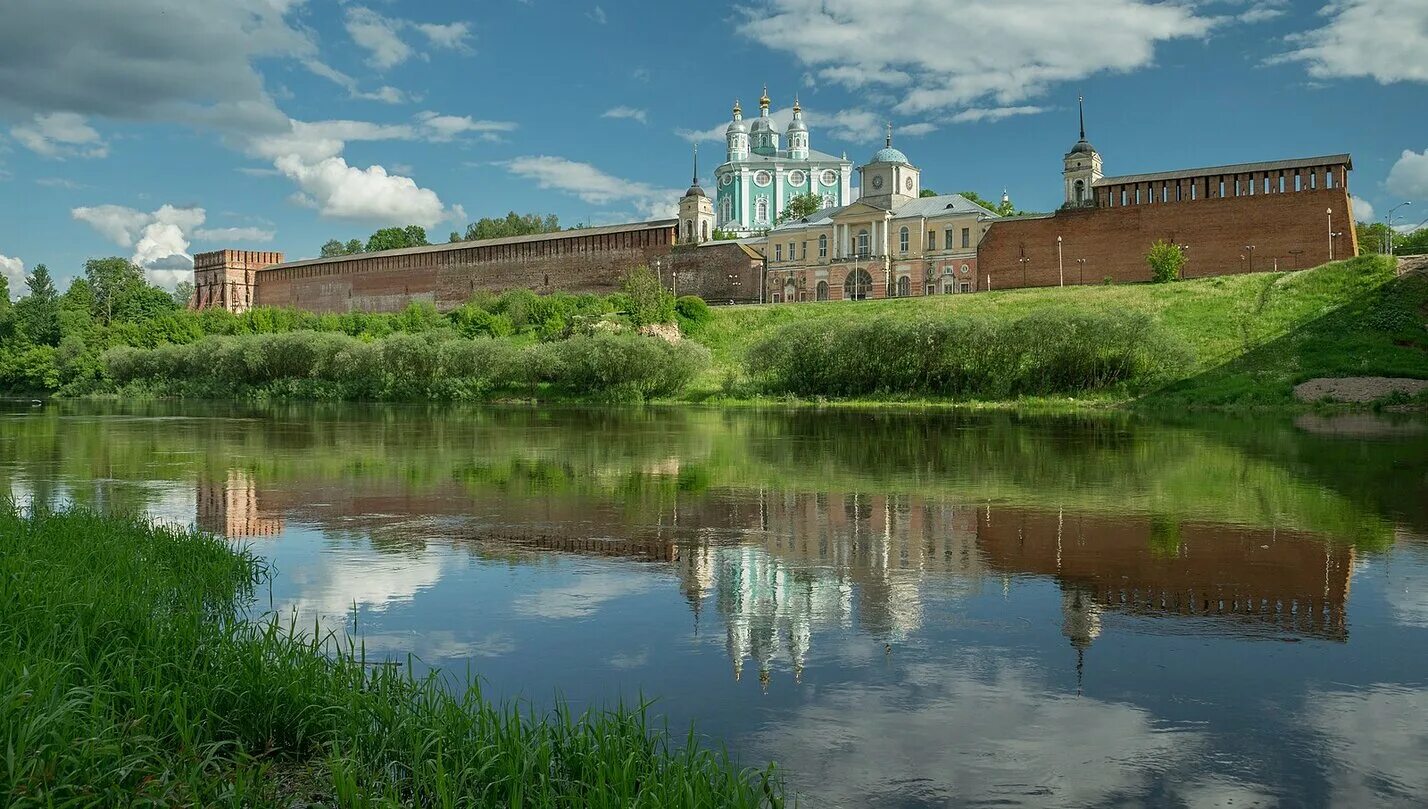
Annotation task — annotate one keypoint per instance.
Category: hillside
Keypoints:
(1252, 336)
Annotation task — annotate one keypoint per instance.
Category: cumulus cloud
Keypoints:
(1363, 210)
(1409, 175)
(159, 238)
(382, 37)
(993, 114)
(60, 135)
(13, 271)
(340, 191)
(632, 113)
(1384, 40)
(859, 125)
(943, 55)
(1377, 738)
(594, 186)
(437, 127)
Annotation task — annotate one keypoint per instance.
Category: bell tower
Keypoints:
(696, 211)
(1082, 169)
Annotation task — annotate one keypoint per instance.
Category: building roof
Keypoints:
(888, 154)
(1235, 168)
(938, 206)
(603, 230)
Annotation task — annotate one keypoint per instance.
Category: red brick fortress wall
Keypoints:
(593, 260)
(1288, 230)
(226, 279)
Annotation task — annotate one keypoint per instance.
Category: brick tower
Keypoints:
(226, 279)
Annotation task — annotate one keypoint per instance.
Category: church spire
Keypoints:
(1081, 104)
(696, 165)
(888, 143)
(764, 100)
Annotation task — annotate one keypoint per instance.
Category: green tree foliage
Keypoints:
(512, 224)
(1165, 260)
(333, 248)
(927, 192)
(183, 293)
(1412, 244)
(648, 301)
(723, 235)
(397, 238)
(1000, 208)
(38, 314)
(800, 206)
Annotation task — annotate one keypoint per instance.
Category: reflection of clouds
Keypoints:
(1406, 585)
(581, 599)
(951, 734)
(1377, 740)
(333, 582)
(1218, 792)
(436, 646)
(630, 660)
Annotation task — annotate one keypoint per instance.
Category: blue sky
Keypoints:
(155, 129)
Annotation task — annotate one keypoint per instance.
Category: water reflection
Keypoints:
(903, 610)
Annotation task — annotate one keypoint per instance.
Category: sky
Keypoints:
(155, 129)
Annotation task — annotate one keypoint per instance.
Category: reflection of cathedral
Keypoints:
(230, 508)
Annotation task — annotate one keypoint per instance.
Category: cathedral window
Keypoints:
(762, 179)
(830, 177)
(902, 238)
(862, 244)
(761, 210)
(704, 231)
(823, 248)
(726, 209)
(778, 252)
(796, 178)
(828, 200)
(857, 285)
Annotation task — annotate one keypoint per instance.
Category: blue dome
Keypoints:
(888, 154)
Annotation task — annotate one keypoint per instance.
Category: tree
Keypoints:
(1373, 237)
(512, 224)
(38, 313)
(927, 192)
(183, 293)
(115, 282)
(1412, 244)
(397, 238)
(650, 302)
(999, 208)
(799, 207)
(1165, 260)
(333, 248)
(723, 235)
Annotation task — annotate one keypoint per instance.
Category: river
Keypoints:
(899, 609)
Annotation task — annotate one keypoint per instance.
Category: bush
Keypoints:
(1051, 351)
(692, 313)
(621, 366)
(1165, 260)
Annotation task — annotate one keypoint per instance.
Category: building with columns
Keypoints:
(891, 242)
(759, 177)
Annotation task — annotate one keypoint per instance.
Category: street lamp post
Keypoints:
(1082, 262)
(1060, 271)
(1388, 220)
(1330, 212)
(1249, 249)
(1185, 252)
(1024, 261)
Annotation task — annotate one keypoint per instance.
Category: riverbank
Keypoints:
(129, 672)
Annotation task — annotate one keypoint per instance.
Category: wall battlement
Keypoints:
(226, 279)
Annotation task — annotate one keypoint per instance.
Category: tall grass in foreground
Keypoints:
(130, 675)
(970, 355)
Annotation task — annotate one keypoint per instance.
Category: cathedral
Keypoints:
(759, 176)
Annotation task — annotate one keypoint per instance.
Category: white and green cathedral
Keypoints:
(760, 176)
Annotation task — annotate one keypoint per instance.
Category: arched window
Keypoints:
(862, 244)
(904, 287)
(790, 292)
(902, 236)
(822, 290)
(857, 286)
(689, 230)
(1080, 192)
(726, 210)
(823, 246)
(761, 210)
(828, 200)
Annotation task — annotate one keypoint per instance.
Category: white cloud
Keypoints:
(159, 238)
(60, 135)
(598, 15)
(438, 127)
(60, 182)
(581, 599)
(632, 113)
(13, 271)
(595, 186)
(340, 191)
(234, 234)
(1363, 209)
(385, 94)
(993, 114)
(382, 36)
(857, 125)
(947, 55)
(1384, 40)
(1409, 176)
(1377, 739)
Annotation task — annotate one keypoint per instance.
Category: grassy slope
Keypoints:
(1221, 319)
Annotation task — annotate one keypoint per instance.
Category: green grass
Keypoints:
(1252, 336)
(129, 675)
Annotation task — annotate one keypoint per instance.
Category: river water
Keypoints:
(899, 609)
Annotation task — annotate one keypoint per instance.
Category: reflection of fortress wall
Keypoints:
(230, 508)
(1289, 581)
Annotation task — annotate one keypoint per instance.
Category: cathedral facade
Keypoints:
(760, 174)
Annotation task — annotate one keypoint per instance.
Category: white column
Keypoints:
(778, 194)
(746, 196)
